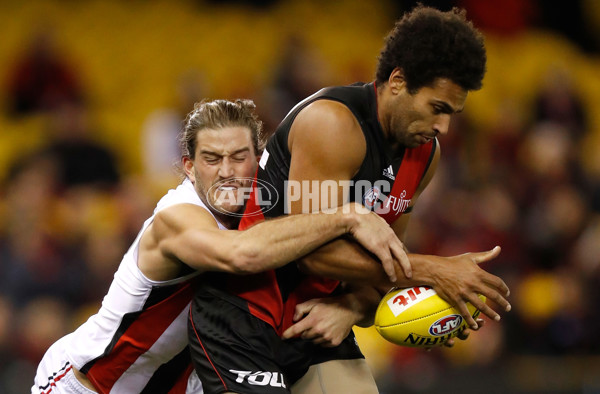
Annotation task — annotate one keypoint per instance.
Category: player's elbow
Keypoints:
(246, 261)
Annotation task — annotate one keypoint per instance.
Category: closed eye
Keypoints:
(211, 159)
(239, 157)
(442, 109)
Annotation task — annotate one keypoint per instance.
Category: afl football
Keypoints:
(418, 317)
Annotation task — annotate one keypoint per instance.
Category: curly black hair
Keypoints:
(427, 44)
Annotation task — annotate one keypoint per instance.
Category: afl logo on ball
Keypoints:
(445, 325)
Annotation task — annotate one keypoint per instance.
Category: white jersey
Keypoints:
(138, 339)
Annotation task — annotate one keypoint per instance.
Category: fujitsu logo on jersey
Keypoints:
(409, 297)
(381, 203)
(260, 378)
(397, 204)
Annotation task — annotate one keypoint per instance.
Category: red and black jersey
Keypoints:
(385, 183)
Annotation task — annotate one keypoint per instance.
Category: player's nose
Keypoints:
(442, 124)
(226, 169)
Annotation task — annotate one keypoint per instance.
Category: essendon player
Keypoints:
(137, 342)
(378, 143)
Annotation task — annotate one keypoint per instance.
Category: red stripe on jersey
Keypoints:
(253, 213)
(262, 290)
(56, 379)
(265, 289)
(409, 176)
(138, 338)
(262, 293)
(191, 320)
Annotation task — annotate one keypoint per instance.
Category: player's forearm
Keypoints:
(276, 242)
(347, 261)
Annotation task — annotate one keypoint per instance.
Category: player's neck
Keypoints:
(231, 222)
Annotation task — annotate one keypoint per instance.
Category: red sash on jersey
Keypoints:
(137, 337)
(260, 290)
(409, 176)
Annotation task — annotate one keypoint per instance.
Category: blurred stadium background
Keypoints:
(92, 93)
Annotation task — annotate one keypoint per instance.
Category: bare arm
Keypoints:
(188, 234)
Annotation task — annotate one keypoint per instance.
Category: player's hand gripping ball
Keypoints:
(418, 317)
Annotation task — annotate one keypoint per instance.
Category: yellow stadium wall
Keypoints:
(130, 54)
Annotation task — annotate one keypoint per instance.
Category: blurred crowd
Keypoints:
(69, 210)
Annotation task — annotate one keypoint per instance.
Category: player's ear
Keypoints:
(396, 80)
(188, 168)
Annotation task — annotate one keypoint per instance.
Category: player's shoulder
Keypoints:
(327, 121)
(328, 130)
(327, 111)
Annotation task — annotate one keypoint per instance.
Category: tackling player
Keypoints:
(137, 342)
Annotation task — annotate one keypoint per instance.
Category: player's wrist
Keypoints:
(423, 271)
(364, 303)
(347, 219)
(352, 216)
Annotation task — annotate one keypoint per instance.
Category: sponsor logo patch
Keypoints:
(389, 173)
(409, 297)
(371, 197)
(259, 378)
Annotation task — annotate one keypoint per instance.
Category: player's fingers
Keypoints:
(498, 284)
(464, 311)
(319, 341)
(484, 308)
(449, 342)
(388, 264)
(497, 298)
(304, 308)
(464, 334)
(480, 322)
(401, 256)
(290, 332)
(494, 294)
(486, 256)
(489, 312)
(296, 329)
(308, 335)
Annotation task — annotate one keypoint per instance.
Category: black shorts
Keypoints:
(233, 350)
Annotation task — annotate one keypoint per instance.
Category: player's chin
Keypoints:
(415, 143)
(229, 209)
(419, 139)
